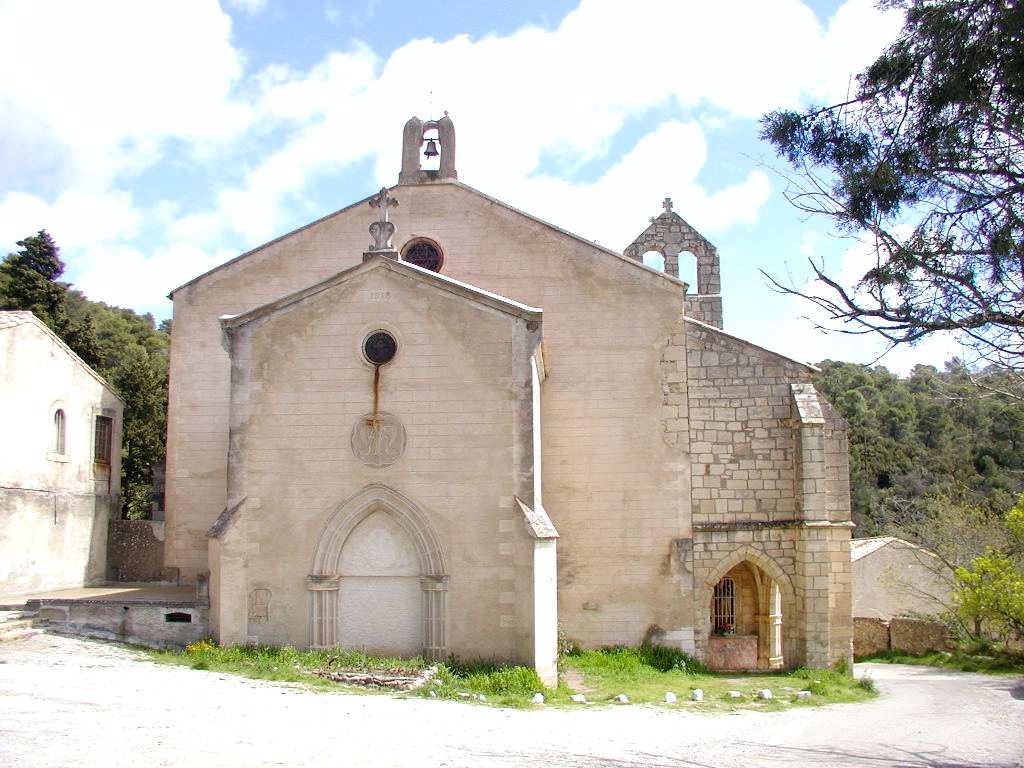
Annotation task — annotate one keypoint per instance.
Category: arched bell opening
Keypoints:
(430, 153)
(654, 259)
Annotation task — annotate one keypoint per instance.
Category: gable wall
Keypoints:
(460, 384)
(52, 533)
(900, 580)
(615, 486)
(741, 431)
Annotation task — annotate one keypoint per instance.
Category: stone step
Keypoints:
(24, 623)
(8, 635)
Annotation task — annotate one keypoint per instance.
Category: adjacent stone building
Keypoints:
(60, 461)
(893, 578)
(482, 428)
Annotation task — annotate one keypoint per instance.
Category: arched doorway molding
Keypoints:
(325, 580)
(779, 640)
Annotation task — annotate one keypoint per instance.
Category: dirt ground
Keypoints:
(68, 702)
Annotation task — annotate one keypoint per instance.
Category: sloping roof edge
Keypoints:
(705, 326)
(377, 261)
(590, 243)
(538, 524)
(861, 548)
(261, 246)
(29, 317)
(224, 519)
(554, 227)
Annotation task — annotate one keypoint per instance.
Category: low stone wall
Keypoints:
(732, 653)
(913, 636)
(147, 624)
(870, 636)
(135, 551)
(916, 636)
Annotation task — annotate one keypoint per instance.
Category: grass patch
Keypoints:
(647, 673)
(992, 663)
(643, 673)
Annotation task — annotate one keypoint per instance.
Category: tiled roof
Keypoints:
(11, 319)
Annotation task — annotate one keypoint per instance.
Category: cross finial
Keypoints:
(382, 229)
(383, 200)
(667, 205)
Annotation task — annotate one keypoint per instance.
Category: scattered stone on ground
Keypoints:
(764, 693)
(697, 694)
(399, 681)
(670, 698)
(622, 698)
(578, 698)
(803, 694)
(734, 694)
(538, 698)
(480, 697)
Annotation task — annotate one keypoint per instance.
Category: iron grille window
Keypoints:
(104, 439)
(58, 432)
(723, 607)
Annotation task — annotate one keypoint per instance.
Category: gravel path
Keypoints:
(68, 702)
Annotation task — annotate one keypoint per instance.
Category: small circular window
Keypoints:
(380, 347)
(423, 253)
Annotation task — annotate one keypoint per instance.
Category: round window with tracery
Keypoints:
(424, 253)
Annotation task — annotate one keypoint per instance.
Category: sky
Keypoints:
(155, 140)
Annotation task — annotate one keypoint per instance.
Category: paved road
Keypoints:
(70, 702)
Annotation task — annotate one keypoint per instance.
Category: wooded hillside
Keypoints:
(934, 434)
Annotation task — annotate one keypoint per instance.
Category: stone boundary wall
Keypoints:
(870, 636)
(135, 551)
(913, 636)
(917, 636)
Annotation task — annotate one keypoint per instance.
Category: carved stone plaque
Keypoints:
(378, 441)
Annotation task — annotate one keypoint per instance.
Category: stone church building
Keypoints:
(482, 430)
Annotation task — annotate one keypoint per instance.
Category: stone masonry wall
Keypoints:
(135, 551)
(741, 442)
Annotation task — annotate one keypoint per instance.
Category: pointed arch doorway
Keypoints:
(378, 579)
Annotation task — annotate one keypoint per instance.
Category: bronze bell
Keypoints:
(431, 150)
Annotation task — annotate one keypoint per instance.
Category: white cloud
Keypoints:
(109, 81)
(74, 217)
(125, 81)
(252, 7)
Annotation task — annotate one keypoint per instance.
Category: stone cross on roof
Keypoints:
(382, 229)
(667, 205)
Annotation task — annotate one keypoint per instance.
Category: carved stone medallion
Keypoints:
(380, 441)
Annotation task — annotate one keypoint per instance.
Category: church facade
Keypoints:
(483, 430)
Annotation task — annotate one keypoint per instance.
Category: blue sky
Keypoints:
(156, 140)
